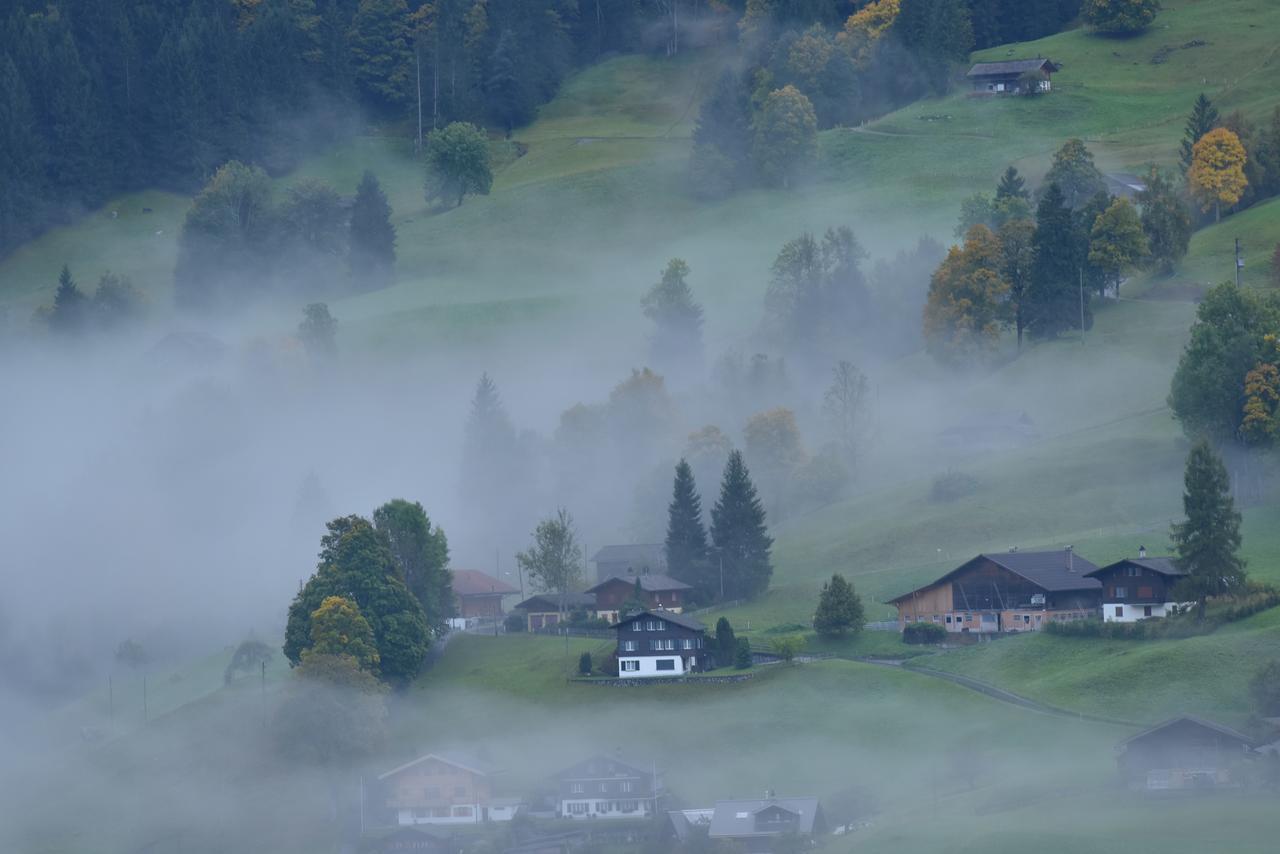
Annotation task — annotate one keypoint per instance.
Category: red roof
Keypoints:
(473, 582)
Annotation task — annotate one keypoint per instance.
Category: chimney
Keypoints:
(1142, 551)
(1071, 559)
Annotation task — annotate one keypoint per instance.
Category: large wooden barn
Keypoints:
(1013, 592)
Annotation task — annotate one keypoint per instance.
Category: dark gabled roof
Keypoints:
(551, 602)
(649, 583)
(738, 818)
(1012, 66)
(587, 768)
(1191, 719)
(669, 616)
(1161, 565)
(457, 760)
(472, 582)
(640, 555)
(1053, 572)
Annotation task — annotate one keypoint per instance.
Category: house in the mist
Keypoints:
(654, 591)
(680, 826)
(1138, 588)
(755, 825)
(1012, 77)
(1012, 592)
(630, 561)
(444, 788)
(478, 594)
(660, 643)
(608, 787)
(1124, 184)
(1185, 753)
(542, 610)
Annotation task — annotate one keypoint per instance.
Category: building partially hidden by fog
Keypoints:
(440, 788)
(1013, 592)
(1185, 753)
(628, 561)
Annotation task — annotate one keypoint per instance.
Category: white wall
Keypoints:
(600, 807)
(649, 666)
(1133, 613)
(502, 813)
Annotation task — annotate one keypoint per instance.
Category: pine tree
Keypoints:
(1204, 118)
(1012, 185)
(380, 52)
(686, 543)
(318, 331)
(839, 609)
(738, 530)
(742, 659)
(69, 305)
(726, 643)
(372, 237)
(1208, 541)
(677, 317)
(1054, 297)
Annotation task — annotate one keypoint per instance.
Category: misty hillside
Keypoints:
(386, 382)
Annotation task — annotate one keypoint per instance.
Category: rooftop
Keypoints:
(1012, 66)
(551, 601)
(1161, 565)
(738, 818)
(457, 760)
(1054, 572)
(473, 582)
(649, 583)
(669, 616)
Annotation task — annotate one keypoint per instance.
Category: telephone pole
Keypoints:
(1239, 262)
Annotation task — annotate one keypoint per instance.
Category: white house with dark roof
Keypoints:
(1138, 588)
(660, 643)
(608, 787)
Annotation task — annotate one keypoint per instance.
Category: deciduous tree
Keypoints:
(1075, 174)
(1017, 262)
(1216, 177)
(775, 449)
(554, 561)
(785, 141)
(1165, 220)
(1117, 241)
(334, 712)
(338, 628)
(318, 331)
(1207, 542)
(847, 407)
(966, 307)
(1120, 17)
(457, 163)
(421, 554)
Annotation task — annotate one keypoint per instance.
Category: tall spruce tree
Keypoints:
(1055, 298)
(739, 532)
(686, 543)
(1207, 542)
(372, 238)
(677, 319)
(839, 610)
(69, 305)
(726, 643)
(1012, 185)
(1204, 118)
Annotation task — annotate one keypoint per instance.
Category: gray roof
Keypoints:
(458, 760)
(669, 616)
(738, 818)
(1013, 66)
(641, 554)
(589, 768)
(551, 601)
(649, 582)
(1191, 719)
(1161, 565)
(1052, 571)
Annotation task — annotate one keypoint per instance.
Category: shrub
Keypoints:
(952, 486)
(514, 623)
(742, 660)
(923, 633)
(1264, 687)
(584, 664)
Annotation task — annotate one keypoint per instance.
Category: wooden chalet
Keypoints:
(1012, 77)
(542, 610)
(1185, 753)
(444, 788)
(608, 788)
(1012, 592)
(1138, 588)
(655, 591)
(660, 643)
(478, 594)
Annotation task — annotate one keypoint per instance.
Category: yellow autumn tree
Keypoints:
(1217, 176)
(865, 27)
(1261, 424)
(968, 300)
(338, 628)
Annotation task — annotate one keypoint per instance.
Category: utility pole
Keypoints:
(146, 714)
(111, 700)
(264, 692)
(1239, 262)
(1082, 306)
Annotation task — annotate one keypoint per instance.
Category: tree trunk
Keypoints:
(417, 67)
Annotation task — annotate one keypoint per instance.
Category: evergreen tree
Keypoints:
(1204, 118)
(506, 95)
(21, 171)
(742, 660)
(726, 643)
(489, 452)
(69, 305)
(1055, 299)
(722, 138)
(677, 337)
(686, 544)
(584, 664)
(739, 532)
(381, 56)
(939, 33)
(371, 237)
(839, 609)
(318, 331)
(1012, 185)
(1207, 542)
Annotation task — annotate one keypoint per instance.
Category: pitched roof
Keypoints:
(639, 554)
(1191, 719)
(590, 768)
(669, 616)
(1012, 66)
(1161, 565)
(1053, 572)
(551, 602)
(738, 818)
(458, 760)
(649, 583)
(472, 582)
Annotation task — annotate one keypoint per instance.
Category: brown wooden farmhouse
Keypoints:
(479, 595)
(655, 591)
(1013, 592)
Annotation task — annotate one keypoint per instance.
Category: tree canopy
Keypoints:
(1216, 177)
(457, 163)
(1120, 17)
(839, 610)
(1207, 541)
(739, 533)
(554, 561)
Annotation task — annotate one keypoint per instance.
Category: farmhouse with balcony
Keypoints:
(1013, 77)
(607, 787)
(654, 591)
(479, 595)
(660, 643)
(1185, 753)
(630, 561)
(441, 788)
(1137, 588)
(1013, 592)
(755, 826)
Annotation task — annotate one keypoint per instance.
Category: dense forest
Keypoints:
(97, 98)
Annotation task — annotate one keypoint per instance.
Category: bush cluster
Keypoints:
(923, 633)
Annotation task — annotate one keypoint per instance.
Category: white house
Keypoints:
(604, 787)
(1138, 588)
(660, 643)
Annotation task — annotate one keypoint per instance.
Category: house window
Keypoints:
(626, 785)
(579, 808)
(948, 618)
(419, 813)
(629, 666)
(1119, 610)
(629, 806)
(666, 664)
(628, 646)
(463, 812)
(1132, 571)
(687, 643)
(1121, 592)
(576, 788)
